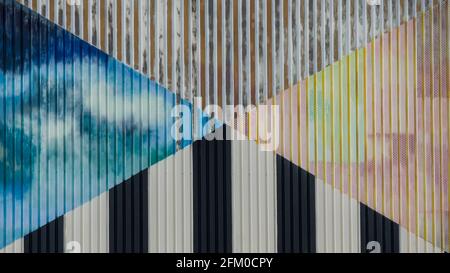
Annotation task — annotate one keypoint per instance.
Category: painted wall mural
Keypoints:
(74, 122)
(373, 125)
(360, 154)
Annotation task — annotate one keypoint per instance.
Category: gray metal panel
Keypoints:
(254, 198)
(124, 25)
(170, 204)
(338, 219)
(86, 229)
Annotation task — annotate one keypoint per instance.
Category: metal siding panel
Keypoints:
(86, 229)
(253, 199)
(47, 239)
(167, 46)
(69, 176)
(412, 243)
(366, 185)
(338, 221)
(359, 30)
(128, 216)
(212, 196)
(296, 208)
(15, 248)
(379, 229)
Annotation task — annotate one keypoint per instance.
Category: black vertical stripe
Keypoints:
(379, 229)
(128, 215)
(296, 217)
(212, 195)
(47, 239)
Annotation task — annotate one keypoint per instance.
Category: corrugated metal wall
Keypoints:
(202, 47)
(250, 52)
(75, 123)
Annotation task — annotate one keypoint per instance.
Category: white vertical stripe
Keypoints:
(171, 192)
(224, 53)
(347, 213)
(123, 32)
(130, 31)
(411, 243)
(141, 35)
(215, 59)
(173, 235)
(332, 29)
(298, 54)
(231, 31)
(240, 65)
(157, 34)
(72, 18)
(348, 35)
(165, 44)
(148, 41)
(281, 49)
(306, 38)
(89, 21)
(254, 224)
(198, 61)
(290, 44)
(64, 3)
(184, 213)
(181, 47)
(248, 67)
(88, 227)
(322, 34)
(173, 49)
(56, 11)
(115, 30)
(81, 21)
(265, 49)
(106, 30)
(270, 172)
(340, 50)
(257, 54)
(315, 36)
(39, 6)
(207, 49)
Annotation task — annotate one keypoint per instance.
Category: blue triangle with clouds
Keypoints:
(74, 122)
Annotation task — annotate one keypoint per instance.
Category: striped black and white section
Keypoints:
(344, 225)
(227, 197)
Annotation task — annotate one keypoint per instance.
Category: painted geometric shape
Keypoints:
(378, 233)
(47, 239)
(300, 214)
(74, 122)
(373, 125)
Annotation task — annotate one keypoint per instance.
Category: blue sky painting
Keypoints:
(74, 122)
